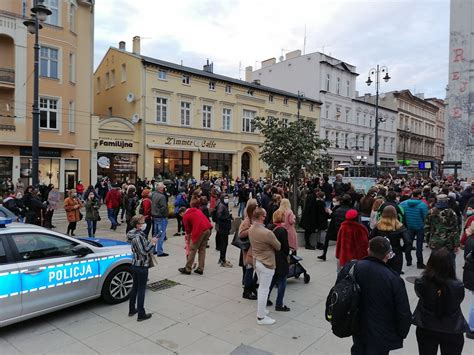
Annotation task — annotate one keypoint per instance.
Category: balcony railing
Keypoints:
(7, 75)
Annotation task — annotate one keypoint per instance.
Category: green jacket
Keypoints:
(92, 210)
(441, 228)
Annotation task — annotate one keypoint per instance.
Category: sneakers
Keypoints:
(266, 321)
(282, 308)
(225, 263)
(249, 295)
(199, 271)
(145, 317)
(184, 271)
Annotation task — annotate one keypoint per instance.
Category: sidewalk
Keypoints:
(202, 315)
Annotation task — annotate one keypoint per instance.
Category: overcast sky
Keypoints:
(411, 37)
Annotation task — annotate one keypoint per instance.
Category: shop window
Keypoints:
(118, 167)
(49, 113)
(169, 164)
(216, 164)
(6, 165)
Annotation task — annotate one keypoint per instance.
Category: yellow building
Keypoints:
(65, 87)
(160, 119)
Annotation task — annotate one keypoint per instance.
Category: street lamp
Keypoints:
(39, 14)
(376, 74)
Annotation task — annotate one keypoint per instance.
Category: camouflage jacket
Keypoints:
(441, 229)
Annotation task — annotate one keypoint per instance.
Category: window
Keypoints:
(346, 139)
(107, 80)
(250, 92)
(226, 119)
(97, 85)
(338, 86)
(72, 67)
(112, 77)
(71, 118)
(206, 116)
(3, 254)
(248, 121)
(348, 87)
(311, 107)
(337, 139)
(161, 110)
(327, 111)
(42, 246)
(270, 98)
(124, 72)
(228, 89)
(328, 81)
(185, 113)
(72, 17)
(285, 101)
(212, 86)
(347, 115)
(49, 113)
(49, 62)
(162, 75)
(358, 118)
(53, 5)
(186, 80)
(285, 122)
(270, 120)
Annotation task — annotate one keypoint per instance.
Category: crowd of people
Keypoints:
(380, 228)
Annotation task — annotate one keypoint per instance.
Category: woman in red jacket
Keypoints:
(352, 240)
(145, 210)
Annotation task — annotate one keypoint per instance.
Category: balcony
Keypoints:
(7, 77)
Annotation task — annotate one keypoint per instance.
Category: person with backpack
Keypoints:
(438, 317)
(441, 227)
(382, 312)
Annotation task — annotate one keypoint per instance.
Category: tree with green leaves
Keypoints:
(290, 147)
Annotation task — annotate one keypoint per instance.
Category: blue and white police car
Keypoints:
(42, 271)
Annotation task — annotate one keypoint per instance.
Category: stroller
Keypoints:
(296, 269)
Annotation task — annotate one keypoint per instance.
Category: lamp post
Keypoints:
(376, 73)
(39, 14)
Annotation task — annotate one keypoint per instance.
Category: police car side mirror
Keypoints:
(81, 250)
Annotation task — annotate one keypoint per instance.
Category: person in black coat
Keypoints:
(314, 216)
(468, 278)
(438, 316)
(337, 217)
(281, 259)
(384, 309)
(223, 226)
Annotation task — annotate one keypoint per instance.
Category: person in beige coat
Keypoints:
(264, 244)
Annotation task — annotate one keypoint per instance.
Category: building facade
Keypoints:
(460, 95)
(66, 45)
(416, 129)
(162, 120)
(440, 129)
(348, 123)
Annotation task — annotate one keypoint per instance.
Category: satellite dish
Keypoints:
(135, 118)
(130, 97)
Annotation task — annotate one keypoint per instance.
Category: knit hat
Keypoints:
(442, 198)
(351, 214)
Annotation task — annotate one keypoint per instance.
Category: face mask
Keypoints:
(226, 201)
(469, 212)
(143, 227)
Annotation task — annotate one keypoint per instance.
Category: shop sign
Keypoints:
(103, 162)
(119, 143)
(198, 143)
(43, 152)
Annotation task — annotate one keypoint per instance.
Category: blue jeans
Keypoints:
(241, 209)
(280, 282)
(248, 277)
(111, 216)
(159, 230)
(420, 238)
(137, 295)
(91, 227)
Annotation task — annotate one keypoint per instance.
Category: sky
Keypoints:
(410, 37)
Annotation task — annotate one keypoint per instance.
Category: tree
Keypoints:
(291, 146)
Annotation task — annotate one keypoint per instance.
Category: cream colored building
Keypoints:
(164, 119)
(66, 64)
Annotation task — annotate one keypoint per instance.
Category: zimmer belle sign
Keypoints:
(198, 143)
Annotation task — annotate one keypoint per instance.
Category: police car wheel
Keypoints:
(118, 285)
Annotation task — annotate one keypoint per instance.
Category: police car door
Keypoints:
(51, 275)
(10, 295)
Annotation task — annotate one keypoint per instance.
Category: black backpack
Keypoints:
(342, 306)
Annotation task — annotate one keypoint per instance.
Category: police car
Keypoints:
(42, 271)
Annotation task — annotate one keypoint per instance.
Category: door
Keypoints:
(51, 275)
(10, 284)
(70, 178)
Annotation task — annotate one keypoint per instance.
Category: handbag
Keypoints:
(242, 243)
(153, 261)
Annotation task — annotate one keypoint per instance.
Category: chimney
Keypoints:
(136, 45)
(122, 45)
(248, 74)
(294, 54)
(268, 62)
(208, 67)
(256, 81)
(420, 95)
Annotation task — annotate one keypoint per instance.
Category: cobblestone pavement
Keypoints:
(202, 315)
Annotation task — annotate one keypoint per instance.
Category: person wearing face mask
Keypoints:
(72, 205)
(224, 222)
(92, 214)
(141, 261)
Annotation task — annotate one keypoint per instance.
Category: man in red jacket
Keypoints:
(113, 199)
(198, 229)
(352, 240)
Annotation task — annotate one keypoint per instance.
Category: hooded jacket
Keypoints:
(352, 242)
(415, 213)
(195, 223)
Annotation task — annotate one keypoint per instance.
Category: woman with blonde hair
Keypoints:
(391, 228)
(289, 223)
(246, 256)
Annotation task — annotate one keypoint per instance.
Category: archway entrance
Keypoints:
(245, 163)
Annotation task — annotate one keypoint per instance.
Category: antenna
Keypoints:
(304, 41)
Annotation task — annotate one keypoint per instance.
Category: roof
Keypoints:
(371, 104)
(161, 63)
(408, 93)
(340, 65)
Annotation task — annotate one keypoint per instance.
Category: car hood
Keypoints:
(102, 242)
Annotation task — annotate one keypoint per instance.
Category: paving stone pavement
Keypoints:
(202, 315)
